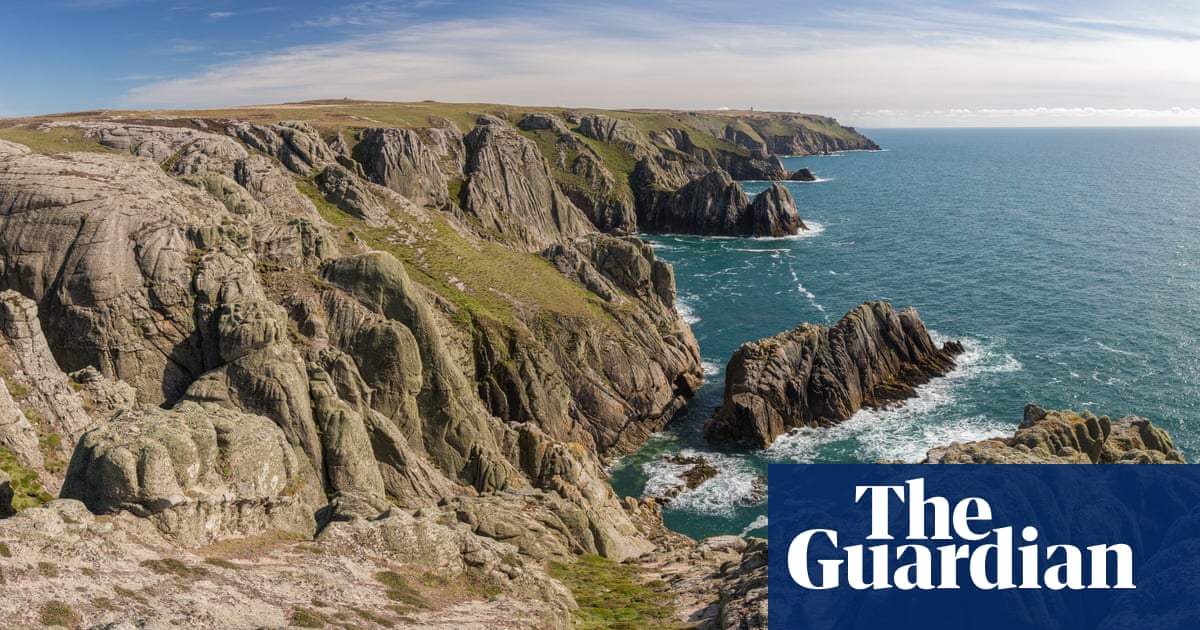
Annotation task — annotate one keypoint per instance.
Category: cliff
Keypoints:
(818, 376)
(401, 335)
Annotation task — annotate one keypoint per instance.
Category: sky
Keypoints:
(869, 63)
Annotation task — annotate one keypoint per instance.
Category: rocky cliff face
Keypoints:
(414, 343)
(817, 376)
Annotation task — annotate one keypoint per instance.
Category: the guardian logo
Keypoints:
(946, 547)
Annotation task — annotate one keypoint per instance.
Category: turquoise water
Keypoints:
(1066, 260)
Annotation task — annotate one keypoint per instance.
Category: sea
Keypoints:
(1067, 261)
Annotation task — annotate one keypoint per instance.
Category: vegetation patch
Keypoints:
(398, 589)
(171, 566)
(53, 139)
(5, 552)
(305, 618)
(59, 613)
(612, 595)
(26, 484)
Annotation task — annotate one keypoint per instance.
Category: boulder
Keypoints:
(773, 213)
(200, 472)
(818, 376)
(803, 175)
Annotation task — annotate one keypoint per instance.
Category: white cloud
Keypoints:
(642, 60)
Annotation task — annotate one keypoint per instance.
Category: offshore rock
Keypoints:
(510, 190)
(1064, 437)
(715, 205)
(817, 376)
(200, 473)
(803, 175)
(773, 213)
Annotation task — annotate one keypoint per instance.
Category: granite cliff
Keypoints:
(818, 376)
(403, 335)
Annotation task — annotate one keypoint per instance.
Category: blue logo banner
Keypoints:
(1005, 547)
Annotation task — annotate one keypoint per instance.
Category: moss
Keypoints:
(612, 595)
(16, 390)
(378, 620)
(47, 569)
(398, 589)
(304, 618)
(59, 613)
(171, 566)
(26, 484)
(223, 563)
(5, 552)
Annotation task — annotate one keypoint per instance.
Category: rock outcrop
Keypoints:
(803, 175)
(200, 473)
(6, 495)
(510, 191)
(1064, 437)
(402, 161)
(817, 376)
(716, 205)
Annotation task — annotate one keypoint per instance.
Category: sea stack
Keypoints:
(818, 376)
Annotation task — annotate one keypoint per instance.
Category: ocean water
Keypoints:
(1066, 260)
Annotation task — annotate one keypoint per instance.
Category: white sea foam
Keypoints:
(710, 367)
(814, 229)
(757, 523)
(684, 308)
(735, 485)
(908, 430)
(1115, 350)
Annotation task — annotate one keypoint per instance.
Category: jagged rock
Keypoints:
(699, 470)
(649, 350)
(609, 207)
(401, 160)
(817, 376)
(1054, 437)
(805, 141)
(347, 192)
(200, 473)
(49, 392)
(452, 427)
(534, 122)
(716, 205)
(713, 204)
(100, 241)
(803, 175)
(274, 188)
(773, 213)
(609, 129)
(17, 434)
(510, 190)
(294, 143)
(102, 395)
(743, 589)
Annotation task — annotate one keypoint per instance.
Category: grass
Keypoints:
(26, 484)
(55, 140)
(612, 595)
(398, 589)
(59, 613)
(171, 566)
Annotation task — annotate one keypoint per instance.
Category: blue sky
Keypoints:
(869, 63)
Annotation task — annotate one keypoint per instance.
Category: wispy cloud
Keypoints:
(862, 57)
(221, 15)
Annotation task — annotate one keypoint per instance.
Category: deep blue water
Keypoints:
(1067, 260)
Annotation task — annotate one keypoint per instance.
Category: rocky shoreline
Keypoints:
(298, 367)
